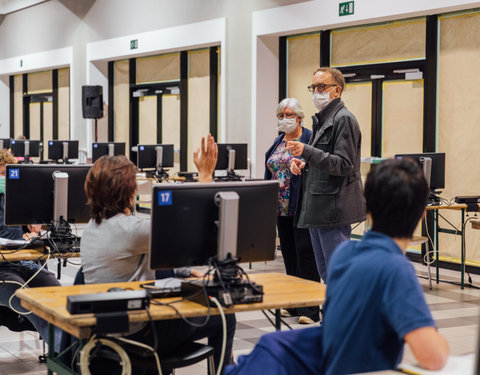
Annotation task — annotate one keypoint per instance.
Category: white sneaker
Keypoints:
(285, 314)
(305, 320)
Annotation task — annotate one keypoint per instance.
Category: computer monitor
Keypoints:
(62, 150)
(151, 157)
(4, 143)
(107, 148)
(29, 193)
(185, 222)
(232, 156)
(25, 147)
(433, 165)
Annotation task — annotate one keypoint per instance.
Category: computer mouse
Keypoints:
(116, 289)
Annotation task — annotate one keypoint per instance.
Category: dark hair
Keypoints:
(109, 186)
(396, 193)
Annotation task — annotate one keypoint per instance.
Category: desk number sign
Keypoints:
(165, 198)
(14, 174)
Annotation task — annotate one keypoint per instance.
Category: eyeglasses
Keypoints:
(321, 87)
(280, 116)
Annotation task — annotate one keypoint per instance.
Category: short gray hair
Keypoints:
(294, 105)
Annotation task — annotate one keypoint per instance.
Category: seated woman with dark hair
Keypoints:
(115, 244)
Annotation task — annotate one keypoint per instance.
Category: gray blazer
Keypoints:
(332, 193)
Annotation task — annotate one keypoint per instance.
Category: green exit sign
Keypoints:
(345, 9)
(134, 44)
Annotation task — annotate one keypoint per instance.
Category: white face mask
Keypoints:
(287, 125)
(321, 100)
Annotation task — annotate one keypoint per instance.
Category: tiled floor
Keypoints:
(456, 313)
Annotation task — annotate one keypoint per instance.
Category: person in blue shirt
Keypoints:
(374, 303)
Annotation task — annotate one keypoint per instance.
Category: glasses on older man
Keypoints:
(321, 87)
(280, 116)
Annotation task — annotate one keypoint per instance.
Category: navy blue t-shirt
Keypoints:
(373, 300)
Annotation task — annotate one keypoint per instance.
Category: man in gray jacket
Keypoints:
(331, 197)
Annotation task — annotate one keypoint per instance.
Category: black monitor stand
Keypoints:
(230, 284)
(231, 174)
(159, 174)
(65, 154)
(61, 236)
(433, 198)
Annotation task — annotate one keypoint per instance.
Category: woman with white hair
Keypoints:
(295, 243)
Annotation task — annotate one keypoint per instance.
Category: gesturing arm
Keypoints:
(346, 149)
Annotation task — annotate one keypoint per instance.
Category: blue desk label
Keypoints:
(165, 198)
(14, 174)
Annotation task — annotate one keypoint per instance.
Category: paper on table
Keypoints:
(456, 365)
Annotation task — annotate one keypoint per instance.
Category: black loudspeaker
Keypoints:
(92, 102)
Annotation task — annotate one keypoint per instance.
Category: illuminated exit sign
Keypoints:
(345, 9)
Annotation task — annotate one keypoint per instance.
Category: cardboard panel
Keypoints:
(64, 103)
(358, 99)
(392, 41)
(171, 126)
(47, 127)
(303, 54)
(158, 68)
(458, 118)
(147, 108)
(198, 100)
(18, 105)
(35, 121)
(40, 82)
(121, 99)
(402, 117)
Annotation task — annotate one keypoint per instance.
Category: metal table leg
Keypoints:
(278, 320)
(435, 220)
(462, 264)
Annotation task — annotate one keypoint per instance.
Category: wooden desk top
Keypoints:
(281, 290)
(29, 254)
(454, 206)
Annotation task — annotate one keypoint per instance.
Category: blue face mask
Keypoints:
(2, 184)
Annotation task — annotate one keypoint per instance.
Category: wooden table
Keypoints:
(281, 291)
(50, 303)
(30, 254)
(455, 207)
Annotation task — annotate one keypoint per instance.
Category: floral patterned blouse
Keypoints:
(278, 165)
